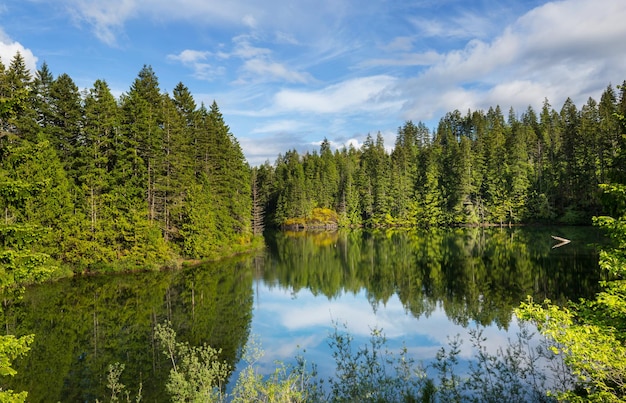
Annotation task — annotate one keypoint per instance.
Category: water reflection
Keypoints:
(476, 274)
(82, 325)
(419, 287)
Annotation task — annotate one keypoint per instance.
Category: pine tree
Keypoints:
(609, 133)
(65, 127)
(404, 172)
(41, 102)
(328, 177)
(142, 129)
(348, 192)
(496, 168)
(229, 177)
(258, 211)
(570, 169)
(15, 89)
(96, 155)
(428, 209)
(519, 169)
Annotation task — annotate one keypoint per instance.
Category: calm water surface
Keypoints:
(419, 287)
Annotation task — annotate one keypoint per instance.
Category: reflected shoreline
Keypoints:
(418, 286)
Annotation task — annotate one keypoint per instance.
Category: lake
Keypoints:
(420, 287)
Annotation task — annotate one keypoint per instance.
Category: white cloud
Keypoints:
(194, 59)
(351, 96)
(466, 25)
(106, 17)
(400, 43)
(278, 126)
(257, 63)
(9, 48)
(270, 70)
(286, 38)
(258, 150)
(244, 49)
(562, 49)
(249, 21)
(190, 56)
(427, 58)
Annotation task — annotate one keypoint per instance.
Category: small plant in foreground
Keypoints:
(522, 371)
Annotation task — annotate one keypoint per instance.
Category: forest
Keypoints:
(92, 182)
(477, 168)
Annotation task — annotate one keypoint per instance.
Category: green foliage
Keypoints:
(590, 335)
(373, 373)
(12, 347)
(117, 388)
(592, 353)
(285, 384)
(366, 373)
(197, 374)
(473, 169)
(122, 183)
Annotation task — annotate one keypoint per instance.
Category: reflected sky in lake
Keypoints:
(288, 324)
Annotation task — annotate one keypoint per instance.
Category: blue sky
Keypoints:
(287, 74)
(286, 323)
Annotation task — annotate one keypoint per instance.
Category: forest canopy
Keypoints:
(475, 168)
(150, 177)
(134, 182)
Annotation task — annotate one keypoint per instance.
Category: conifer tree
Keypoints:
(609, 133)
(348, 199)
(404, 172)
(42, 102)
(494, 185)
(519, 169)
(429, 206)
(65, 127)
(229, 177)
(328, 177)
(15, 88)
(96, 154)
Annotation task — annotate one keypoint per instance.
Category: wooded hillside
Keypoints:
(474, 168)
(129, 182)
(151, 177)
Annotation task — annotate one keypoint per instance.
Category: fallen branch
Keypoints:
(562, 241)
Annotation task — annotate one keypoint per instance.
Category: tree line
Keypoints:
(133, 181)
(151, 176)
(474, 168)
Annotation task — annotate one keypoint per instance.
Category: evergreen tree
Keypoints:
(519, 169)
(496, 168)
(348, 193)
(428, 210)
(15, 89)
(229, 177)
(328, 177)
(292, 201)
(142, 125)
(609, 134)
(65, 127)
(404, 172)
(95, 161)
(42, 102)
